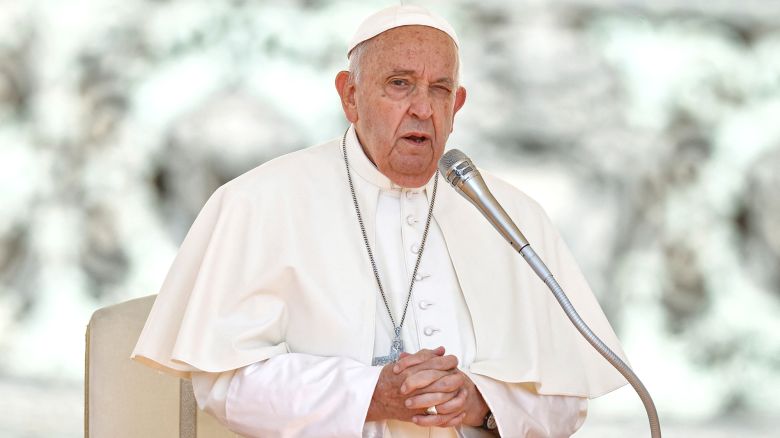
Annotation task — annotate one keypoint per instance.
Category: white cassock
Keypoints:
(272, 309)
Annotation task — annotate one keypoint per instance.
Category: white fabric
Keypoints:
(521, 413)
(291, 395)
(397, 16)
(437, 314)
(297, 395)
(274, 264)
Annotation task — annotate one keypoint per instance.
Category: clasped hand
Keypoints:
(405, 389)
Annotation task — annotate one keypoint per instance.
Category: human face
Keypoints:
(405, 100)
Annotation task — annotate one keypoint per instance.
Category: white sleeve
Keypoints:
(522, 413)
(292, 394)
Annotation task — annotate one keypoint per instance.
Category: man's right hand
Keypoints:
(393, 389)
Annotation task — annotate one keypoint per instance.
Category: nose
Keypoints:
(420, 104)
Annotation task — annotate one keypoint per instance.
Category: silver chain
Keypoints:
(396, 328)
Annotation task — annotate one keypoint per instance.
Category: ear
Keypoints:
(346, 89)
(460, 99)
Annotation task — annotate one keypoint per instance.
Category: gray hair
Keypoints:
(356, 59)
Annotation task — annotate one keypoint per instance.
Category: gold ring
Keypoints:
(431, 411)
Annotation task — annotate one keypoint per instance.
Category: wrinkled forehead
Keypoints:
(399, 16)
(413, 43)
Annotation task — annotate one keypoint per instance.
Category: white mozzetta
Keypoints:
(275, 264)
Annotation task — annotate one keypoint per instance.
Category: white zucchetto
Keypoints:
(397, 16)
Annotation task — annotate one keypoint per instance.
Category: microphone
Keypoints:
(462, 174)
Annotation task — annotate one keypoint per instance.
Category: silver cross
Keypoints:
(396, 347)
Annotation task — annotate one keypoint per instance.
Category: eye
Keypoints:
(400, 83)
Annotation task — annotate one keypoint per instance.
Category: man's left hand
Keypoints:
(469, 402)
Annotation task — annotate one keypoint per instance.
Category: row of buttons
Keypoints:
(415, 249)
(410, 220)
(429, 330)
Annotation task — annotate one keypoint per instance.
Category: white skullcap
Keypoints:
(397, 16)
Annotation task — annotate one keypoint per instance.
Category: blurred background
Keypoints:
(649, 130)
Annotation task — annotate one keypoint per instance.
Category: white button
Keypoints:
(429, 331)
(411, 220)
(409, 194)
(421, 277)
(424, 304)
(415, 248)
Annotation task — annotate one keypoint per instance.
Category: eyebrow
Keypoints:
(444, 80)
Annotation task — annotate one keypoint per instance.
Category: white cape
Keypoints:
(275, 263)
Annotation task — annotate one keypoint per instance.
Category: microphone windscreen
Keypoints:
(451, 157)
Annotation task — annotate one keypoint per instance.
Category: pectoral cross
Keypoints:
(396, 347)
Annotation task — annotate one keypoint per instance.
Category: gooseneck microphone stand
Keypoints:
(461, 173)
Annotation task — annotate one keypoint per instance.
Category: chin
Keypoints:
(409, 182)
(413, 166)
(408, 178)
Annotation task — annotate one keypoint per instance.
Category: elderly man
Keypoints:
(338, 291)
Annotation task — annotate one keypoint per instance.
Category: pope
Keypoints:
(338, 291)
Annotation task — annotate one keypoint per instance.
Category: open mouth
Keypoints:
(419, 139)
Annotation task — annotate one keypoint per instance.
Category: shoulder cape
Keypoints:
(274, 264)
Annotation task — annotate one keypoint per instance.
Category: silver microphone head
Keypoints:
(456, 167)
(462, 174)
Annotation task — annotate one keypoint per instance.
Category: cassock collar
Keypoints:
(368, 171)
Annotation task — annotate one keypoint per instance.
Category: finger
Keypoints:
(455, 404)
(423, 401)
(442, 363)
(421, 380)
(404, 354)
(448, 364)
(449, 383)
(417, 358)
(456, 421)
(406, 360)
(433, 420)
